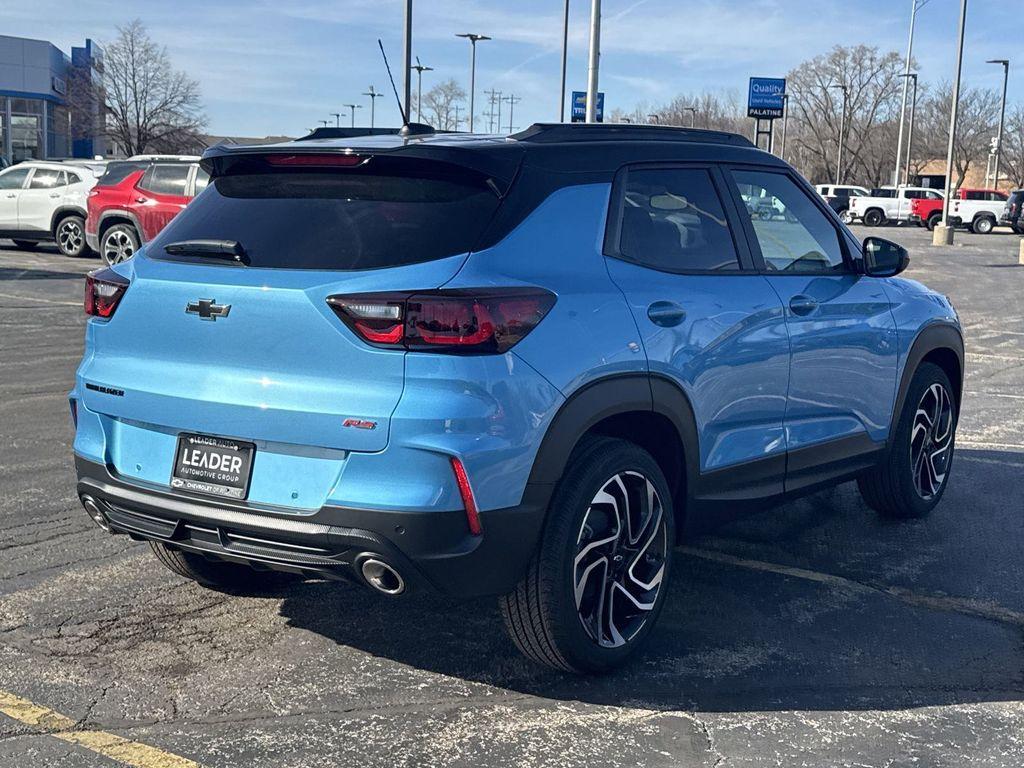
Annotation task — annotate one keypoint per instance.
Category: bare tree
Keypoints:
(439, 105)
(1013, 147)
(719, 112)
(150, 106)
(976, 125)
(871, 80)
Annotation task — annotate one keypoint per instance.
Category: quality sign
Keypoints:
(764, 100)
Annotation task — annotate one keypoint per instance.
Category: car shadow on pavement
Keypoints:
(814, 604)
(7, 273)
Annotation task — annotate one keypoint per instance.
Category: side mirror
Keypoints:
(883, 258)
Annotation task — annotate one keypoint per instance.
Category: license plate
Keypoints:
(214, 466)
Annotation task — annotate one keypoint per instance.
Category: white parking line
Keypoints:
(44, 301)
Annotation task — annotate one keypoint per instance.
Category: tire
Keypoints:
(119, 243)
(70, 236)
(27, 245)
(933, 221)
(983, 225)
(895, 488)
(873, 217)
(555, 615)
(220, 576)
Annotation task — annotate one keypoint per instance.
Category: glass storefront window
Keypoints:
(26, 137)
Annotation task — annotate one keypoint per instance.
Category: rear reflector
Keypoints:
(103, 291)
(484, 321)
(468, 501)
(322, 161)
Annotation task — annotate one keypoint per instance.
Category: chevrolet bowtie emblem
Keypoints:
(208, 309)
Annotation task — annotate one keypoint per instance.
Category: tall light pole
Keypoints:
(656, 119)
(565, 61)
(373, 101)
(352, 110)
(842, 133)
(1002, 114)
(943, 234)
(693, 115)
(407, 83)
(594, 61)
(473, 39)
(337, 119)
(420, 69)
(785, 123)
(915, 5)
(910, 131)
(324, 123)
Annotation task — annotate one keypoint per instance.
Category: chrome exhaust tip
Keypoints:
(95, 512)
(382, 576)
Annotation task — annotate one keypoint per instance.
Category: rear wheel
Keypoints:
(933, 221)
(983, 225)
(911, 479)
(218, 575)
(70, 236)
(27, 245)
(119, 243)
(597, 583)
(873, 217)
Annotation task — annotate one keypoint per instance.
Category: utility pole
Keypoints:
(353, 108)
(1002, 115)
(373, 102)
(906, 76)
(512, 100)
(595, 60)
(473, 40)
(499, 110)
(785, 124)
(565, 60)
(408, 60)
(420, 69)
(457, 121)
(337, 119)
(491, 95)
(693, 115)
(943, 234)
(842, 133)
(910, 132)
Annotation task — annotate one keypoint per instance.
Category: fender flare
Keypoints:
(930, 338)
(611, 396)
(119, 213)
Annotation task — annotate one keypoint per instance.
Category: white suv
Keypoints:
(42, 201)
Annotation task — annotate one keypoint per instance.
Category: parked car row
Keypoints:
(107, 207)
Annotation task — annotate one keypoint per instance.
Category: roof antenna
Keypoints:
(407, 129)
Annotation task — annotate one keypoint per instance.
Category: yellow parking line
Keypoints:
(109, 745)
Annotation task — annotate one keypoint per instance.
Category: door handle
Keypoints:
(10, 194)
(55, 194)
(802, 305)
(666, 313)
(140, 199)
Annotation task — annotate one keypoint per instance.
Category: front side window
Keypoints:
(45, 178)
(166, 179)
(793, 233)
(673, 220)
(13, 179)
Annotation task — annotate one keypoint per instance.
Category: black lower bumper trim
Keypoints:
(430, 549)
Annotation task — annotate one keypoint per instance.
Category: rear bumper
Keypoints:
(92, 239)
(432, 550)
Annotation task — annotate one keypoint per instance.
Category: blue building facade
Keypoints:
(35, 118)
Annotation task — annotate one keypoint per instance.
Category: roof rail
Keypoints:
(569, 132)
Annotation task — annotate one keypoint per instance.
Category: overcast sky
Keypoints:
(279, 66)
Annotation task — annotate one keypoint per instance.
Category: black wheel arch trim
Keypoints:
(128, 216)
(62, 213)
(936, 336)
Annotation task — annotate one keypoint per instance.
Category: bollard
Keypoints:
(942, 235)
(1020, 257)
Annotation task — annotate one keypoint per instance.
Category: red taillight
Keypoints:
(486, 321)
(325, 160)
(103, 291)
(468, 500)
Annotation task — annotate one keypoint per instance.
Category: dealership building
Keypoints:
(35, 119)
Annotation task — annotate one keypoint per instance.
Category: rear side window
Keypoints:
(45, 178)
(673, 220)
(339, 220)
(117, 172)
(166, 179)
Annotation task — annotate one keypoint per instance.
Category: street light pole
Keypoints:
(1002, 115)
(337, 119)
(785, 123)
(373, 102)
(473, 39)
(842, 133)
(595, 60)
(910, 131)
(352, 110)
(906, 76)
(656, 119)
(420, 69)
(944, 235)
(693, 115)
(565, 60)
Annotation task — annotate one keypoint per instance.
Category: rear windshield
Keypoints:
(117, 172)
(337, 220)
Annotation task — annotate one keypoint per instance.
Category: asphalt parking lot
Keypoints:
(811, 634)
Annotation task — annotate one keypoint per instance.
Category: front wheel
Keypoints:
(597, 583)
(70, 236)
(911, 479)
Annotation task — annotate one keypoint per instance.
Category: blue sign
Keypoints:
(764, 100)
(579, 107)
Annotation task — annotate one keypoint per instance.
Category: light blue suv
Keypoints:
(518, 366)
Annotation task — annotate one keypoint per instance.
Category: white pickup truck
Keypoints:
(888, 204)
(979, 209)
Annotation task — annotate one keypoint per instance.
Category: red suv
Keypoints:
(135, 199)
